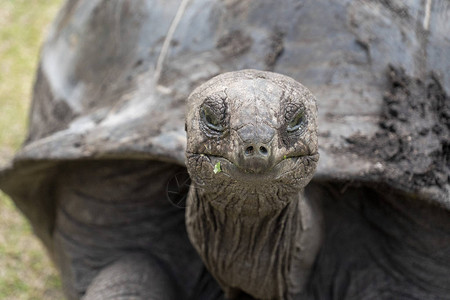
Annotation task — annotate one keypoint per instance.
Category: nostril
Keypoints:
(249, 150)
(263, 150)
(256, 150)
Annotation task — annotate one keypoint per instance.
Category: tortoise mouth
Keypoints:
(222, 166)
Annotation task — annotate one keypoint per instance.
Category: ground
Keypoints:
(25, 270)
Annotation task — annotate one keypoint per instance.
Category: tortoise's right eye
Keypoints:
(296, 122)
(210, 119)
(295, 118)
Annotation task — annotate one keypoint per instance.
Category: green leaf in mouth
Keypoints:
(217, 168)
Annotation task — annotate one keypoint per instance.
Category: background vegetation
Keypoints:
(25, 270)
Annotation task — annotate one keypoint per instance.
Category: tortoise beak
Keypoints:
(255, 148)
(255, 157)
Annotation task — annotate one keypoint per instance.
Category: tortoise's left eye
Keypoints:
(297, 121)
(210, 119)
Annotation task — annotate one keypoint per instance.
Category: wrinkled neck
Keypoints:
(249, 242)
(250, 204)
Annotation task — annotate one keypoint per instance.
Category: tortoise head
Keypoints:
(251, 148)
(252, 128)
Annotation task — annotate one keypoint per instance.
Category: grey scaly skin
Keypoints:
(251, 150)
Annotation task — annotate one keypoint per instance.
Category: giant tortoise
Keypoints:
(103, 175)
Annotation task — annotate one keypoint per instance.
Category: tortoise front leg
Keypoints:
(135, 276)
(117, 236)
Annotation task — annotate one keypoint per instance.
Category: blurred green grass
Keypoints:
(25, 270)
